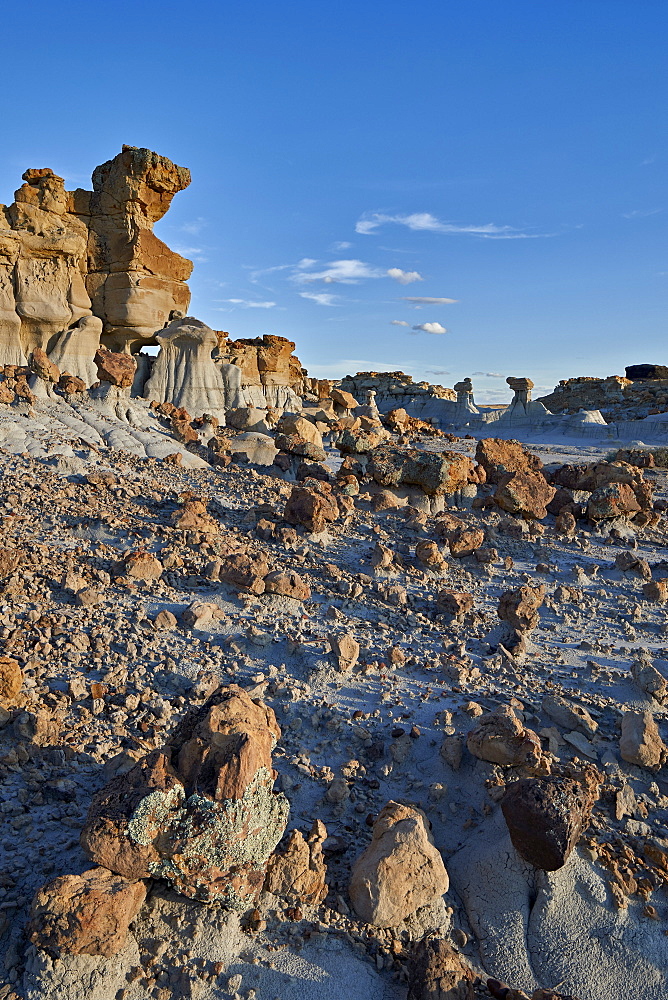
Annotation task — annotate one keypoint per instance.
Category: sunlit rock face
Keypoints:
(68, 255)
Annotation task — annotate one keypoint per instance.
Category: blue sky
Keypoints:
(352, 159)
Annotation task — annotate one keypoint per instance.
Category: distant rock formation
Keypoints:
(270, 373)
(395, 389)
(68, 255)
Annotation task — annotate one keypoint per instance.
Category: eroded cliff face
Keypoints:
(271, 374)
(65, 255)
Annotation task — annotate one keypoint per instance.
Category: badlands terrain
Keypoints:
(312, 690)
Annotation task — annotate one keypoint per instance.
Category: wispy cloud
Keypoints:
(429, 328)
(347, 272)
(641, 213)
(192, 253)
(433, 371)
(404, 277)
(250, 303)
(489, 374)
(426, 222)
(194, 226)
(341, 245)
(322, 298)
(399, 322)
(428, 300)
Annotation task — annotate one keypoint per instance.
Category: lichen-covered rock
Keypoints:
(400, 870)
(87, 914)
(500, 737)
(437, 474)
(297, 874)
(546, 816)
(201, 813)
(437, 972)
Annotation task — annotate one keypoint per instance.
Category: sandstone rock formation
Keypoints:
(200, 813)
(298, 873)
(271, 375)
(185, 374)
(86, 914)
(70, 255)
(400, 870)
(75, 349)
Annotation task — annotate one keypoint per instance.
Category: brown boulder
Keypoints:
(288, 584)
(345, 650)
(297, 874)
(11, 681)
(524, 493)
(9, 560)
(43, 367)
(246, 570)
(640, 742)
(437, 972)
(429, 554)
(87, 914)
(118, 369)
(400, 870)
(202, 812)
(500, 738)
(499, 458)
(464, 541)
(454, 602)
(70, 384)
(547, 816)
(139, 565)
(312, 505)
(520, 607)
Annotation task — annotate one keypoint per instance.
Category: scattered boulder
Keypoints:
(465, 541)
(139, 565)
(524, 493)
(345, 650)
(640, 741)
(87, 914)
(297, 874)
(42, 366)
(437, 972)
(569, 715)
(649, 679)
(115, 368)
(612, 501)
(500, 737)
(288, 584)
(454, 602)
(437, 474)
(429, 554)
(520, 607)
(400, 870)
(11, 681)
(546, 816)
(198, 614)
(312, 505)
(499, 458)
(245, 570)
(657, 590)
(200, 813)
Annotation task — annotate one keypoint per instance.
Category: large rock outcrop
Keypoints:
(200, 813)
(185, 374)
(69, 255)
(270, 373)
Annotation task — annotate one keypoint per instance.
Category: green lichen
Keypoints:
(153, 813)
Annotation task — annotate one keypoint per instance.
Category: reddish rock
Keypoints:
(70, 384)
(437, 474)
(139, 565)
(547, 816)
(565, 523)
(500, 738)
(429, 554)
(43, 367)
(499, 458)
(312, 505)
(11, 681)
(245, 570)
(454, 602)
(288, 584)
(446, 525)
(613, 500)
(200, 813)
(464, 541)
(87, 914)
(9, 560)
(524, 493)
(520, 607)
(118, 369)
(657, 590)
(297, 874)
(437, 972)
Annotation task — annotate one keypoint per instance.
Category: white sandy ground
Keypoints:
(525, 927)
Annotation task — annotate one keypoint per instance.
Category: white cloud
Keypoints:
(399, 322)
(341, 245)
(433, 371)
(489, 374)
(195, 226)
(250, 303)
(404, 277)
(640, 213)
(428, 300)
(191, 253)
(347, 272)
(430, 328)
(322, 298)
(426, 222)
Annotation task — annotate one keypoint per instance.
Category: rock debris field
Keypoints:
(304, 697)
(273, 739)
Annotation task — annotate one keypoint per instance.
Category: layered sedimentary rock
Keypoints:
(270, 373)
(66, 256)
(185, 374)
(395, 389)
